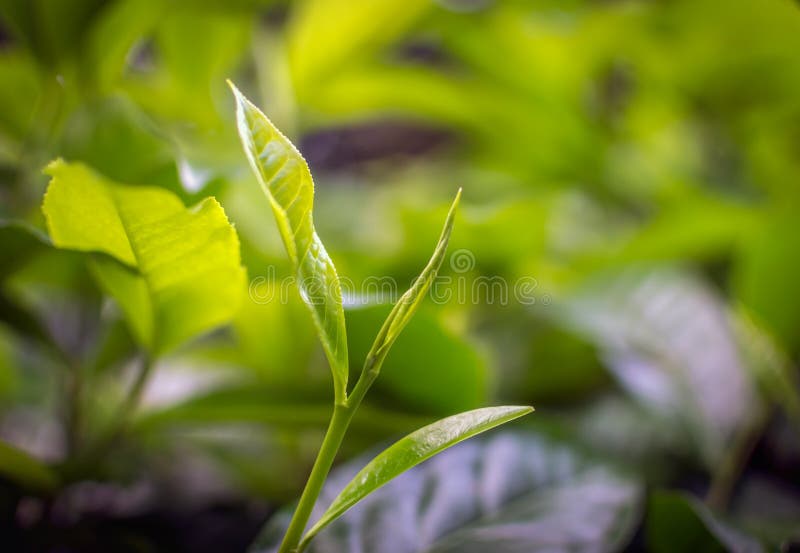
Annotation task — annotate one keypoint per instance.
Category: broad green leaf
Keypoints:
(506, 492)
(411, 451)
(127, 286)
(24, 469)
(678, 523)
(116, 139)
(175, 271)
(409, 302)
(287, 182)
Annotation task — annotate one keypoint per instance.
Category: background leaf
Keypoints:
(427, 359)
(678, 523)
(668, 341)
(179, 273)
(24, 469)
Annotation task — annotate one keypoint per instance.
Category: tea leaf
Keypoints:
(175, 271)
(506, 492)
(287, 182)
(412, 450)
(409, 302)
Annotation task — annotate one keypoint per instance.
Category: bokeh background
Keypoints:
(637, 163)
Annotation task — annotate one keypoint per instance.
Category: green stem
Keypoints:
(74, 408)
(135, 394)
(119, 424)
(342, 415)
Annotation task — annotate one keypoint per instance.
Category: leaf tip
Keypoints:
(241, 99)
(51, 168)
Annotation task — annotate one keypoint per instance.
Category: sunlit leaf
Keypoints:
(508, 492)
(409, 302)
(287, 182)
(412, 450)
(175, 271)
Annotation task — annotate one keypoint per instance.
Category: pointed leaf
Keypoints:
(506, 492)
(411, 451)
(175, 271)
(409, 302)
(286, 180)
(406, 375)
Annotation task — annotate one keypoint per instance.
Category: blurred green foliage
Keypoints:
(636, 161)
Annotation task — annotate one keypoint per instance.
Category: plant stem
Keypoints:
(118, 425)
(135, 394)
(74, 408)
(342, 415)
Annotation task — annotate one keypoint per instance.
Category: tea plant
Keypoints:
(288, 185)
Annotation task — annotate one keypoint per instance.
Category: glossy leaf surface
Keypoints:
(412, 450)
(286, 180)
(408, 303)
(174, 271)
(506, 493)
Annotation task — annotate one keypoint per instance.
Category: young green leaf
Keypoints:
(286, 180)
(409, 302)
(506, 492)
(174, 271)
(412, 450)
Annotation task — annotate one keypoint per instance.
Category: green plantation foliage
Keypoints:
(624, 255)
